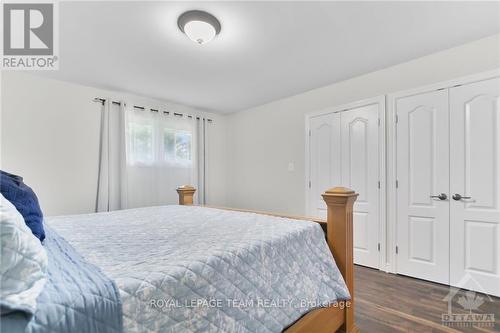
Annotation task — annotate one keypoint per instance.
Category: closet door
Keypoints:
(475, 186)
(360, 171)
(324, 162)
(423, 179)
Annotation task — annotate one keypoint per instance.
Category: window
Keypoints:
(176, 145)
(155, 140)
(141, 143)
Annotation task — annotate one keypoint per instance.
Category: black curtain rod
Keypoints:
(103, 100)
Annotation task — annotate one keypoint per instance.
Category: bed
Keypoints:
(185, 268)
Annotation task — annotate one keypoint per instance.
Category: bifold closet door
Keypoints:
(475, 186)
(360, 171)
(344, 150)
(324, 161)
(423, 186)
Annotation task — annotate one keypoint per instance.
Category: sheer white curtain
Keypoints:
(145, 154)
(161, 152)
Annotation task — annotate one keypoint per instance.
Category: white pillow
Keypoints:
(23, 262)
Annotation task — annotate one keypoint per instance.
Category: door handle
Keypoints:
(442, 196)
(458, 197)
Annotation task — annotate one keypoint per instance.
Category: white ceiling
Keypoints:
(266, 50)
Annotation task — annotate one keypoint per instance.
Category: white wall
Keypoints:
(263, 140)
(49, 132)
(50, 136)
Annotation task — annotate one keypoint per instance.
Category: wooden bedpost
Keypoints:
(339, 237)
(186, 194)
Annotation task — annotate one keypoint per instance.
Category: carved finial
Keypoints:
(340, 190)
(186, 194)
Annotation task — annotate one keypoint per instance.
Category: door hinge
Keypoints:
(397, 184)
(397, 119)
(309, 132)
(309, 184)
(378, 122)
(379, 184)
(397, 249)
(378, 247)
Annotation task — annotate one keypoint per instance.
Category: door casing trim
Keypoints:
(381, 101)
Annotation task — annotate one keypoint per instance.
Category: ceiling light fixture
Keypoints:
(201, 27)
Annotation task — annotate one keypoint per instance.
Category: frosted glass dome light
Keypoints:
(201, 27)
(199, 31)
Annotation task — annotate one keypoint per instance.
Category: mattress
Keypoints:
(195, 269)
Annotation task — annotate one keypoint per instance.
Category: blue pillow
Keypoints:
(25, 201)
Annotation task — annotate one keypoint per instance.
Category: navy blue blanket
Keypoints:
(77, 297)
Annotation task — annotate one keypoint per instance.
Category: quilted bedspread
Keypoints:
(76, 298)
(194, 269)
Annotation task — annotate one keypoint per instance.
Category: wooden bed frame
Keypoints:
(338, 228)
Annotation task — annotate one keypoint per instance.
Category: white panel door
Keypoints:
(324, 162)
(475, 176)
(344, 150)
(360, 171)
(423, 172)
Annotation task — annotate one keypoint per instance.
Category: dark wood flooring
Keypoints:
(395, 303)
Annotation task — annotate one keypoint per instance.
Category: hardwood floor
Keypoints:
(395, 303)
